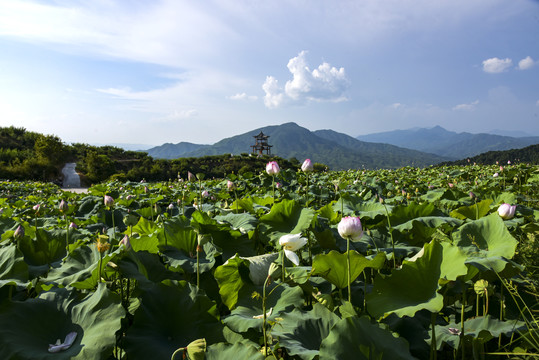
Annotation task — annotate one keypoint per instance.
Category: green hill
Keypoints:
(336, 150)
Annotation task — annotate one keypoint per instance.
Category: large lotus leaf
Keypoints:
(469, 212)
(232, 277)
(244, 223)
(92, 280)
(29, 327)
(286, 217)
(247, 315)
(453, 263)
(179, 234)
(12, 265)
(48, 246)
(237, 351)
(487, 242)
(259, 267)
(357, 338)
(188, 262)
(411, 288)
(329, 213)
(484, 328)
(437, 194)
(488, 236)
(78, 266)
(171, 316)
(333, 266)
(204, 224)
(149, 243)
(404, 213)
(145, 226)
(428, 221)
(302, 332)
(146, 268)
(354, 206)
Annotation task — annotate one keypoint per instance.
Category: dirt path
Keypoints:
(72, 179)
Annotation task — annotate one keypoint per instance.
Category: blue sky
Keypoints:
(150, 72)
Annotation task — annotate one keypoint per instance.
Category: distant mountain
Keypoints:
(338, 151)
(440, 141)
(529, 154)
(173, 151)
(127, 147)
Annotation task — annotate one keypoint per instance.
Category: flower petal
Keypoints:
(292, 256)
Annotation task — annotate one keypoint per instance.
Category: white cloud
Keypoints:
(526, 63)
(243, 96)
(466, 107)
(325, 83)
(537, 103)
(495, 65)
(396, 105)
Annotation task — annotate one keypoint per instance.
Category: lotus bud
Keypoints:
(451, 185)
(63, 207)
(19, 232)
(205, 193)
(230, 185)
(275, 271)
(190, 176)
(108, 201)
(73, 225)
(506, 211)
(501, 168)
(36, 208)
(350, 228)
(472, 195)
(146, 190)
(272, 168)
(278, 185)
(170, 206)
(508, 162)
(307, 166)
(125, 242)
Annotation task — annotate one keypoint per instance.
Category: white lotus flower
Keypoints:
(291, 243)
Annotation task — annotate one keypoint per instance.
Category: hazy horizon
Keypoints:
(171, 71)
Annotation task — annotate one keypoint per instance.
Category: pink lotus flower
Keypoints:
(350, 227)
(272, 168)
(230, 185)
(451, 185)
(307, 166)
(495, 175)
(278, 185)
(506, 211)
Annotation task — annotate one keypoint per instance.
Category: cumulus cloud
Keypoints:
(495, 65)
(396, 105)
(243, 96)
(325, 83)
(466, 107)
(526, 63)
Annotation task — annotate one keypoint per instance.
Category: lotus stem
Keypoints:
(100, 263)
(273, 187)
(264, 317)
(433, 353)
(67, 235)
(349, 274)
(391, 235)
(283, 267)
(463, 306)
(198, 265)
(113, 224)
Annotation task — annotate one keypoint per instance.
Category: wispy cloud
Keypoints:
(325, 83)
(467, 107)
(243, 96)
(495, 65)
(526, 63)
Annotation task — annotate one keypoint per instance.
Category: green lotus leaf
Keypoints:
(356, 338)
(487, 243)
(48, 246)
(404, 213)
(237, 351)
(248, 314)
(333, 266)
(78, 266)
(329, 213)
(483, 328)
(469, 212)
(188, 261)
(146, 268)
(453, 263)
(286, 217)
(171, 316)
(429, 222)
(302, 332)
(36, 323)
(411, 288)
(244, 223)
(12, 265)
(232, 277)
(145, 226)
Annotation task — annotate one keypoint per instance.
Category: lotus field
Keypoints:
(283, 263)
